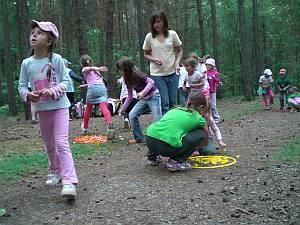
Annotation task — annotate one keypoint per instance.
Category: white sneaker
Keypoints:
(83, 130)
(126, 124)
(52, 179)
(68, 191)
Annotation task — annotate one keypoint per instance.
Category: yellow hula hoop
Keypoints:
(216, 161)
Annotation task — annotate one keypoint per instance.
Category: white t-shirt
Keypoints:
(203, 70)
(124, 90)
(265, 81)
(163, 50)
(183, 74)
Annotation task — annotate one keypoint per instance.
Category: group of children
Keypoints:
(176, 134)
(287, 93)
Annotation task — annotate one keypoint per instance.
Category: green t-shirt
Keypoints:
(282, 82)
(174, 125)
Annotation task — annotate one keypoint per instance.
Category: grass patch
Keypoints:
(290, 152)
(238, 108)
(15, 166)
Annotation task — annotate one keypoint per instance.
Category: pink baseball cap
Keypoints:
(45, 26)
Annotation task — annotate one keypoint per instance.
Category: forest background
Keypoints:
(244, 37)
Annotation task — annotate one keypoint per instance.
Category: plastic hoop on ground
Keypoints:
(211, 162)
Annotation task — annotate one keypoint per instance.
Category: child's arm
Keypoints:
(150, 84)
(127, 101)
(95, 68)
(75, 77)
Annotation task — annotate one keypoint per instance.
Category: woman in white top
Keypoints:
(160, 47)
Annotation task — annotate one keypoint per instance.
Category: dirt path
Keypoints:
(120, 189)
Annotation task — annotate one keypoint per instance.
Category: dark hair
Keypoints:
(197, 101)
(127, 66)
(191, 61)
(86, 60)
(205, 57)
(161, 15)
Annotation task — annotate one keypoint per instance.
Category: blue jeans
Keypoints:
(209, 149)
(214, 110)
(154, 104)
(168, 87)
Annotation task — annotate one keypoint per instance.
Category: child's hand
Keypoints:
(184, 89)
(33, 96)
(221, 144)
(82, 86)
(139, 95)
(103, 69)
(46, 92)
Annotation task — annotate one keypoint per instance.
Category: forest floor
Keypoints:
(117, 187)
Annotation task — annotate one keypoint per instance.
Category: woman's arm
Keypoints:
(179, 52)
(149, 57)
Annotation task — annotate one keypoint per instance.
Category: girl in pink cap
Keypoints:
(46, 73)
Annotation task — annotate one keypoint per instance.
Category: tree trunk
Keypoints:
(127, 28)
(186, 27)
(177, 15)
(112, 82)
(80, 27)
(201, 28)
(60, 25)
(141, 33)
(149, 7)
(22, 10)
(43, 10)
(8, 69)
(215, 38)
(258, 54)
(101, 13)
(246, 70)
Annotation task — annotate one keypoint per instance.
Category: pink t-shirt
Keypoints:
(93, 77)
(213, 80)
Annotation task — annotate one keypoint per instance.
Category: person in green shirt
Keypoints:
(283, 83)
(294, 99)
(178, 133)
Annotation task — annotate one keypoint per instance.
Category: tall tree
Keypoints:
(141, 33)
(80, 27)
(8, 66)
(101, 16)
(112, 81)
(186, 26)
(215, 37)
(177, 15)
(22, 10)
(43, 10)
(246, 70)
(258, 53)
(149, 7)
(201, 27)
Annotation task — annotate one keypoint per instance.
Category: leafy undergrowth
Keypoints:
(290, 152)
(14, 166)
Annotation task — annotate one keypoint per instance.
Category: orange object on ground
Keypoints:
(91, 139)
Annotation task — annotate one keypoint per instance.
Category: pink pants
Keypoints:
(88, 112)
(264, 97)
(54, 125)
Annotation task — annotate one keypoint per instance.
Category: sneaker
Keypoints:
(34, 121)
(53, 179)
(126, 124)
(267, 108)
(155, 162)
(133, 141)
(175, 166)
(83, 130)
(68, 191)
(110, 132)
